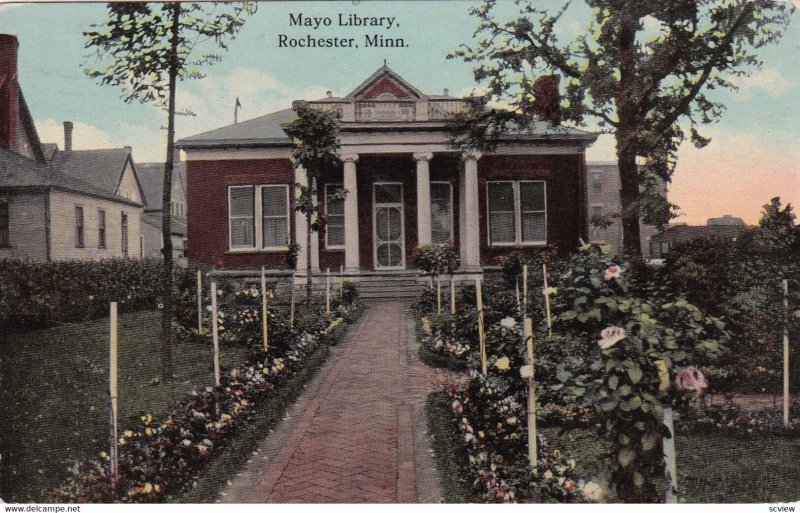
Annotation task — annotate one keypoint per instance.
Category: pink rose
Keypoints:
(613, 272)
(610, 336)
(691, 379)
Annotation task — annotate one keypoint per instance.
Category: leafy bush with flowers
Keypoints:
(36, 295)
(158, 456)
(435, 259)
(647, 345)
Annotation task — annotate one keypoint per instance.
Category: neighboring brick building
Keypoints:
(603, 188)
(406, 186)
(54, 205)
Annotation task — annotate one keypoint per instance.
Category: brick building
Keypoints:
(405, 185)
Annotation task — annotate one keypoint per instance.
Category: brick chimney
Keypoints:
(547, 101)
(9, 91)
(68, 135)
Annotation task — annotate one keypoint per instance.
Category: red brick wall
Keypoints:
(207, 197)
(565, 197)
(384, 85)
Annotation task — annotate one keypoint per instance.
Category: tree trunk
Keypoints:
(629, 195)
(166, 199)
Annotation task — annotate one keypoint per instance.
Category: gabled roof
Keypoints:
(49, 150)
(384, 73)
(20, 172)
(101, 168)
(151, 176)
(253, 132)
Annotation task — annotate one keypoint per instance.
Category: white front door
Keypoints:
(387, 220)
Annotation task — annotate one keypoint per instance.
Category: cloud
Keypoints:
(7, 6)
(84, 137)
(769, 80)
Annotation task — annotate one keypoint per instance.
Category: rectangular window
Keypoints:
(334, 213)
(79, 227)
(275, 223)
(101, 229)
(533, 212)
(502, 227)
(441, 212)
(517, 212)
(597, 211)
(241, 208)
(597, 183)
(124, 232)
(5, 224)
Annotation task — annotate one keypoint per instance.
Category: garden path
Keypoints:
(357, 433)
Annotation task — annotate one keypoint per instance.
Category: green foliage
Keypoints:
(435, 259)
(39, 295)
(640, 70)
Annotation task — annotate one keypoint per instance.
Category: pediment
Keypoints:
(385, 85)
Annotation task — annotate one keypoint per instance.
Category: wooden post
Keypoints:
(547, 301)
(519, 305)
(532, 441)
(452, 296)
(524, 291)
(200, 302)
(438, 295)
(669, 458)
(264, 331)
(481, 337)
(291, 306)
(113, 390)
(328, 291)
(215, 331)
(786, 353)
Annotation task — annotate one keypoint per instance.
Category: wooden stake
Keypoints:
(547, 301)
(200, 302)
(291, 306)
(328, 291)
(524, 291)
(264, 331)
(113, 390)
(669, 458)
(481, 337)
(438, 295)
(533, 456)
(786, 353)
(519, 306)
(215, 331)
(452, 296)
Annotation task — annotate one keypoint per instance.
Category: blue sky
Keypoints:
(754, 154)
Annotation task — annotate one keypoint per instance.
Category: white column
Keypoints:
(471, 242)
(315, 235)
(423, 197)
(351, 246)
(300, 230)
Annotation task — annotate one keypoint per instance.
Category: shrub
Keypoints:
(38, 295)
(435, 258)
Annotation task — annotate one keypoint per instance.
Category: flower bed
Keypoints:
(731, 420)
(159, 455)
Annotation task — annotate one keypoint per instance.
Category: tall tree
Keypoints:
(644, 71)
(145, 49)
(314, 133)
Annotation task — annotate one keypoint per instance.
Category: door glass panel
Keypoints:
(395, 255)
(394, 224)
(388, 193)
(383, 255)
(382, 224)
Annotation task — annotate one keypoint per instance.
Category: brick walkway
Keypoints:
(356, 435)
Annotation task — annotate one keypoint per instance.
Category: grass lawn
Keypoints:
(712, 467)
(54, 390)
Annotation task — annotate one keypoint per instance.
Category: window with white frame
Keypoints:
(79, 226)
(597, 183)
(517, 212)
(334, 213)
(441, 212)
(275, 216)
(5, 224)
(258, 217)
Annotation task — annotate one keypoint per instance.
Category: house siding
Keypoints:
(207, 206)
(27, 232)
(128, 186)
(565, 196)
(62, 231)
